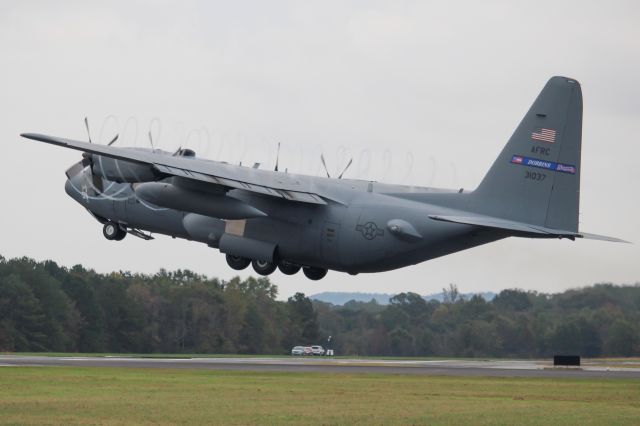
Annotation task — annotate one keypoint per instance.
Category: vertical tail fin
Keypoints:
(536, 177)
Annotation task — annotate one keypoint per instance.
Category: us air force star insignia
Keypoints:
(370, 230)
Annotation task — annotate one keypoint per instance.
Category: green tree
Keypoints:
(451, 294)
(515, 300)
(303, 319)
(22, 321)
(621, 339)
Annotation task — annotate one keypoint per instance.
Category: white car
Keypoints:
(317, 350)
(297, 351)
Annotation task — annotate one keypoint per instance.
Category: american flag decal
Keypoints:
(544, 135)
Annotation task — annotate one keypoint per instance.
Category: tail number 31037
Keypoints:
(535, 176)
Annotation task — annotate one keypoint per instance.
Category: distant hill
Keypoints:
(340, 298)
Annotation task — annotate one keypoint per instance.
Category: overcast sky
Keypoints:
(425, 93)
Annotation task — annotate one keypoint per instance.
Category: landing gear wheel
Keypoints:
(113, 232)
(314, 274)
(121, 234)
(237, 262)
(288, 268)
(263, 267)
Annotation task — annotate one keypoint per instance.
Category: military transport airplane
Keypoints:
(278, 220)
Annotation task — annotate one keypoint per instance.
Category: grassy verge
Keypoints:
(65, 395)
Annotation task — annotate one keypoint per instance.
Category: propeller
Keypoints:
(88, 160)
(86, 157)
(345, 169)
(325, 165)
(151, 140)
(86, 124)
(327, 170)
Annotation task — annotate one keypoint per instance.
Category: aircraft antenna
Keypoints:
(277, 156)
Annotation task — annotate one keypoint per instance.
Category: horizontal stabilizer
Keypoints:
(521, 228)
(587, 236)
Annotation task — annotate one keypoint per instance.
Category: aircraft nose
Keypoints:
(76, 181)
(74, 169)
(71, 186)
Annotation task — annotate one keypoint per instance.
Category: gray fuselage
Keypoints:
(369, 230)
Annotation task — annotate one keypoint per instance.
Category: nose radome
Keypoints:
(75, 169)
(74, 186)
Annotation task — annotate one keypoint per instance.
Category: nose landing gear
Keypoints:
(113, 232)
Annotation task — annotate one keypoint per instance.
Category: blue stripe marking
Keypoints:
(543, 164)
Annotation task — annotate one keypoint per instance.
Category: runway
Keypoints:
(495, 368)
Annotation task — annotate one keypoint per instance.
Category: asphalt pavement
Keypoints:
(453, 367)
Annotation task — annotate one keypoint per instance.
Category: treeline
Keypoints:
(45, 307)
(602, 320)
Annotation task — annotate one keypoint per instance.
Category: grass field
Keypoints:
(65, 395)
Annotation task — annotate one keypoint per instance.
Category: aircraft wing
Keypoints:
(519, 227)
(281, 185)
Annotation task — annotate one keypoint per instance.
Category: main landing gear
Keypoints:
(314, 274)
(267, 268)
(238, 263)
(113, 232)
(288, 268)
(263, 267)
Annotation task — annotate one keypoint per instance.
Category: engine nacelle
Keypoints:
(221, 206)
(121, 171)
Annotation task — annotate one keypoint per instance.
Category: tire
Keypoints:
(288, 268)
(237, 262)
(121, 234)
(314, 274)
(262, 267)
(111, 231)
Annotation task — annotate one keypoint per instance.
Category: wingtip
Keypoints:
(44, 138)
(33, 136)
